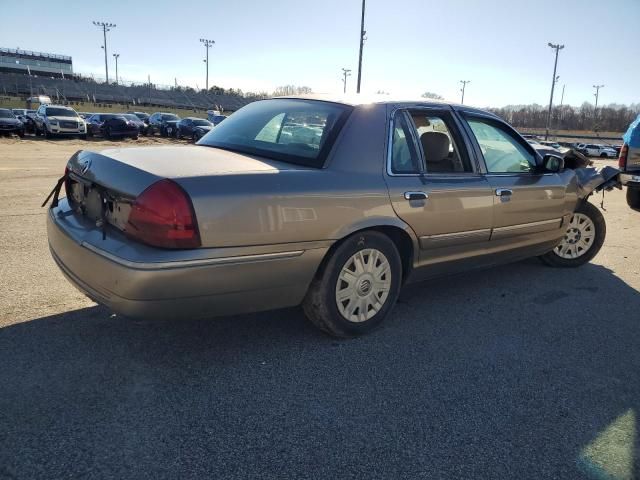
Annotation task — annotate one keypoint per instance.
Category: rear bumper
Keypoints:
(630, 179)
(139, 281)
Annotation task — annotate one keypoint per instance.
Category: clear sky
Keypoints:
(412, 45)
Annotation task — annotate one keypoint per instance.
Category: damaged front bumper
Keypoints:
(590, 180)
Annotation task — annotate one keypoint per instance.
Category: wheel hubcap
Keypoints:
(578, 239)
(363, 285)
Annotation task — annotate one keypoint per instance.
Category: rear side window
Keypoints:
(404, 156)
(502, 152)
(435, 132)
(291, 130)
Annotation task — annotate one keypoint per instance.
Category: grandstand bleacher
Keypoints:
(76, 90)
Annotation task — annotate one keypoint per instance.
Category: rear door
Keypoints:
(528, 204)
(435, 186)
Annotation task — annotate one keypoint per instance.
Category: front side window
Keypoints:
(291, 130)
(502, 152)
(404, 156)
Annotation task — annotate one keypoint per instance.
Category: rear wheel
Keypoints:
(582, 241)
(356, 287)
(633, 198)
(107, 133)
(604, 155)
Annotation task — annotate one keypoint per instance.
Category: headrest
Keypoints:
(435, 146)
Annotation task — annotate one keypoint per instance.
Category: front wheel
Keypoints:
(583, 239)
(356, 287)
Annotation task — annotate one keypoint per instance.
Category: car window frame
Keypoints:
(501, 125)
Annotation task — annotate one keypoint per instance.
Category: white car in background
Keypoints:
(593, 150)
(52, 120)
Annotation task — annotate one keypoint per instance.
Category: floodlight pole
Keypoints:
(557, 47)
(464, 86)
(346, 72)
(363, 34)
(595, 109)
(105, 26)
(207, 45)
(116, 56)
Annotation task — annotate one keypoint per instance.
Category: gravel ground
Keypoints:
(521, 371)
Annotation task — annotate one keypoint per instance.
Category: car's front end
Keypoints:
(200, 131)
(11, 125)
(65, 125)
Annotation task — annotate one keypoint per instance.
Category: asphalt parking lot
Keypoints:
(521, 371)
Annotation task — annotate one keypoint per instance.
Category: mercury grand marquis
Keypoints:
(329, 202)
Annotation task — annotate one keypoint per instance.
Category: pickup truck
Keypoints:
(629, 163)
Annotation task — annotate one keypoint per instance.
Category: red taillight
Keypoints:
(162, 216)
(622, 159)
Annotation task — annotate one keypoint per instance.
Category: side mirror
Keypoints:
(552, 163)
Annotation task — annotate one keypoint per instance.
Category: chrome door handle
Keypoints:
(501, 192)
(415, 196)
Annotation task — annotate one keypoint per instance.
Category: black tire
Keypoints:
(163, 132)
(135, 137)
(320, 304)
(21, 133)
(107, 133)
(195, 137)
(553, 259)
(38, 132)
(633, 198)
(47, 135)
(604, 155)
(83, 137)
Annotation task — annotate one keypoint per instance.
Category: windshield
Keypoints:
(141, 116)
(202, 123)
(6, 114)
(292, 130)
(170, 117)
(61, 112)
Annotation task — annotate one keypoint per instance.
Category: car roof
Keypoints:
(364, 99)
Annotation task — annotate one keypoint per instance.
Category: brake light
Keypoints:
(163, 216)
(622, 159)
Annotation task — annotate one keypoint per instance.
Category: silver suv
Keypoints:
(52, 120)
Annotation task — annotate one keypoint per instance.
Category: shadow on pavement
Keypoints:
(514, 372)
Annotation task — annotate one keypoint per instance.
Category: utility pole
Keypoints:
(116, 56)
(557, 47)
(595, 109)
(207, 45)
(464, 86)
(562, 97)
(363, 34)
(346, 72)
(106, 27)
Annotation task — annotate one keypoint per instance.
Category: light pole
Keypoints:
(464, 86)
(557, 47)
(595, 109)
(116, 56)
(363, 34)
(105, 28)
(207, 45)
(346, 72)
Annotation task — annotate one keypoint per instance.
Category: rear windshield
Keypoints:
(61, 112)
(291, 130)
(170, 117)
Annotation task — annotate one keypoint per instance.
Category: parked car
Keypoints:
(165, 124)
(9, 123)
(142, 116)
(52, 120)
(555, 145)
(193, 128)
(215, 117)
(337, 216)
(629, 163)
(111, 125)
(26, 117)
(594, 150)
(142, 127)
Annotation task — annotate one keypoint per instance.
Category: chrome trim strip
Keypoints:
(192, 263)
(519, 226)
(456, 238)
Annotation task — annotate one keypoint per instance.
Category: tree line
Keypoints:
(607, 118)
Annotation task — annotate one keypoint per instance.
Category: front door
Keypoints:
(436, 188)
(528, 204)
